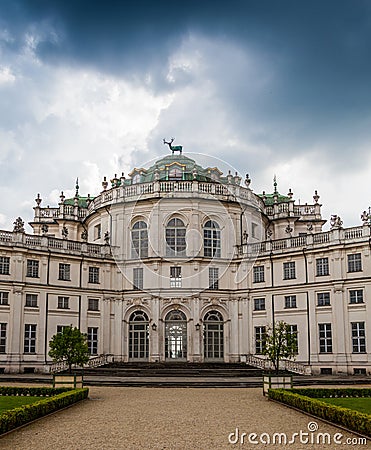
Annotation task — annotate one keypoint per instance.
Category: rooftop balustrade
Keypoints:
(332, 237)
(13, 239)
(185, 189)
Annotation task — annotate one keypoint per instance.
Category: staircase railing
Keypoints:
(95, 361)
(285, 364)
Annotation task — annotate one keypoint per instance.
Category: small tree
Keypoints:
(280, 343)
(70, 346)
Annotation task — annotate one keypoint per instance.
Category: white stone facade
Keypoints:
(180, 263)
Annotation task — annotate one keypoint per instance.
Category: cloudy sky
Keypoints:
(89, 88)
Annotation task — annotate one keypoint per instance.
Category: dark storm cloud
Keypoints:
(315, 54)
(318, 52)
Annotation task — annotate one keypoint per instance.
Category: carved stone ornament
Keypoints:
(288, 229)
(335, 222)
(64, 232)
(366, 217)
(84, 235)
(18, 225)
(44, 228)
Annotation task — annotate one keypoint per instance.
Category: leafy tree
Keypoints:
(70, 346)
(280, 343)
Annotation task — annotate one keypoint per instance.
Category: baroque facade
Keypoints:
(178, 262)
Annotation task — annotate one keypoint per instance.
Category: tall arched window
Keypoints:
(211, 239)
(175, 238)
(139, 240)
(176, 335)
(138, 336)
(213, 336)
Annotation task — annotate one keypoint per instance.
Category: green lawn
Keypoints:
(10, 402)
(362, 405)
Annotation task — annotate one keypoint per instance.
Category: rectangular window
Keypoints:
(32, 268)
(138, 278)
(31, 300)
(4, 298)
(322, 267)
(29, 338)
(93, 274)
(4, 265)
(290, 301)
(3, 337)
(63, 302)
(65, 272)
(254, 230)
(259, 304)
(323, 299)
(354, 263)
(289, 270)
(175, 276)
(325, 337)
(258, 274)
(260, 333)
(97, 232)
(293, 335)
(213, 278)
(93, 304)
(60, 328)
(93, 340)
(358, 337)
(356, 296)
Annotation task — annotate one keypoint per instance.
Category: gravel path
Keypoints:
(157, 418)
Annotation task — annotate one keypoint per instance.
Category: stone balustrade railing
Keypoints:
(327, 237)
(94, 361)
(285, 364)
(63, 212)
(29, 240)
(334, 236)
(190, 188)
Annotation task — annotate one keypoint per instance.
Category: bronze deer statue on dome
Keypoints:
(174, 148)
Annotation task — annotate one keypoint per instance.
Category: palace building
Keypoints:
(179, 262)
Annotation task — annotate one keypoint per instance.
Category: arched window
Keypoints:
(136, 179)
(175, 238)
(175, 173)
(138, 336)
(211, 239)
(176, 336)
(213, 336)
(139, 240)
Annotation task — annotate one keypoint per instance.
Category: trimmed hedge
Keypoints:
(56, 398)
(32, 391)
(308, 400)
(334, 392)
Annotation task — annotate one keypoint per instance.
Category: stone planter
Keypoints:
(273, 381)
(73, 381)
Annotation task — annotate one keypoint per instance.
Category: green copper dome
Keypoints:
(178, 167)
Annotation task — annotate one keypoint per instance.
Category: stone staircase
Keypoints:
(174, 370)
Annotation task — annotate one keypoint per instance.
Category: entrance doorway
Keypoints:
(138, 336)
(176, 336)
(213, 336)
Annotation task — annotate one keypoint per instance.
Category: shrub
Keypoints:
(56, 398)
(309, 400)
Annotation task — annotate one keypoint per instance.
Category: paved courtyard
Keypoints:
(178, 418)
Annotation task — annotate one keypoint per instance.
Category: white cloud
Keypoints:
(6, 75)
